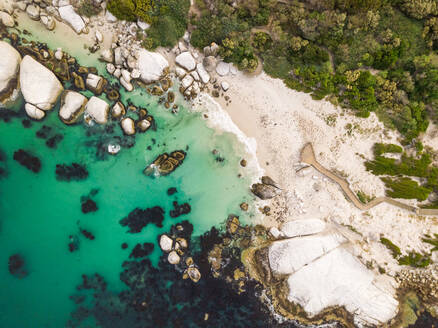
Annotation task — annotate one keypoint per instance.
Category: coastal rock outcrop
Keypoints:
(9, 66)
(98, 110)
(128, 126)
(40, 87)
(186, 61)
(165, 163)
(267, 189)
(152, 66)
(72, 106)
(69, 16)
(34, 112)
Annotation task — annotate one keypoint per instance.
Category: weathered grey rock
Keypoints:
(7, 6)
(39, 86)
(6, 19)
(107, 55)
(110, 68)
(264, 191)
(98, 110)
(69, 16)
(173, 257)
(94, 83)
(186, 61)
(194, 274)
(118, 56)
(99, 37)
(209, 63)
(225, 86)
(195, 76)
(33, 12)
(223, 68)
(152, 66)
(203, 74)
(110, 17)
(166, 243)
(34, 112)
(9, 66)
(48, 22)
(128, 126)
(72, 106)
(21, 6)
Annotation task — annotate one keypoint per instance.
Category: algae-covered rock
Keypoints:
(165, 163)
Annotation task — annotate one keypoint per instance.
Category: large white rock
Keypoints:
(166, 243)
(339, 279)
(39, 86)
(6, 19)
(203, 74)
(94, 83)
(34, 112)
(98, 110)
(72, 106)
(9, 66)
(7, 6)
(187, 81)
(69, 16)
(302, 227)
(107, 55)
(290, 255)
(127, 85)
(128, 126)
(33, 12)
(186, 61)
(223, 68)
(110, 17)
(173, 257)
(152, 66)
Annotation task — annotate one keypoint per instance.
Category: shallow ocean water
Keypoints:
(38, 213)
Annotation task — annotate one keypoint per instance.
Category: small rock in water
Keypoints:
(88, 205)
(73, 245)
(171, 191)
(141, 250)
(87, 234)
(124, 245)
(113, 149)
(166, 243)
(16, 266)
(74, 171)
(27, 160)
(179, 209)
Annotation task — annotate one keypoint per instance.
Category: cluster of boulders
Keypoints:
(165, 163)
(177, 248)
(423, 281)
(266, 189)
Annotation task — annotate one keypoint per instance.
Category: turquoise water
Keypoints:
(38, 213)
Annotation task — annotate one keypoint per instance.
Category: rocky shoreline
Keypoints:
(268, 259)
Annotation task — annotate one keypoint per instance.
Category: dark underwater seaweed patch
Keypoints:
(171, 191)
(27, 160)
(74, 171)
(88, 205)
(179, 209)
(141, 250)
(16, 266)
(139, 218)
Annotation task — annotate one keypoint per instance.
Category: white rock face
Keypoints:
(40, 87)
(98, 110)
(288, 256)
(339, 279)
(118, 110)
(69, 16)
(94, 82)
(166, 243)
(113, 149)
(6, 19)
(7, 6)
(143, 25)
(110, 17)
(151, 65)
(72, 106)
(9, 66)
(203, 74)
(107, 55)
(128, 126)
(302, 227)
(186, 61)
(110, 68)
(33, 12)
(223, 68)
(180, 72)
(173, 257)
(99, 36)
(187, 81)
(144, 125)
(225, 85)
(34, 112)
(127, 85)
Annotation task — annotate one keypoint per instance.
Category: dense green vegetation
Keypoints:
(88, 8)
(168, 19)
(368, 55)
(401, 186)
(413, 258)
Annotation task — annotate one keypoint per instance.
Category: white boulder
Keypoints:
(69, 16)
(39, 86)
(98, 110)
(203, 74)
(6, 19)
(94, 83)
(34, 112)
(118, 110)
(143, 25)
(166, 243)
(107, 55)
(186, 61)
(225, 85)
(72, 106)
(223, 68)
(187, 81)
(113, 149)
(173, 257)
(302, 227)
(143, 125)
(110, 17)
(128, 126)
(127, 85)
(152, 66)
(9, 66)
(33, 12)
(110, 68)
(99, 37)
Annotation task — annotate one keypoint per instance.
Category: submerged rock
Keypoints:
(40, 87)
(72, 106)
(16, 266)
(87, 234)
(75, 171)
(139, 218)
(141, 250)
(9, 66)
(179, 209)
(27, 160)
(171, 191)
(165, 164)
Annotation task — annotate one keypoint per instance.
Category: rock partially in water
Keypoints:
(173, 257)
(179, 209)
(267, 189)
(171, 191)
(40, 87)
(27, 160)
(118, 110)
(139, 218)
(95, 83)
(74, 171)
(128, 126)
(98, 110)
(34, 112)
(72, 106)
(9, 66)
(16, 266)
(166, 243)
(141, 250)
(165, 164)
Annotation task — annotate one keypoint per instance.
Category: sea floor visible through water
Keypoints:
(40, 215)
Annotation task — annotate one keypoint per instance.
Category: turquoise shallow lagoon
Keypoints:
(38, 213)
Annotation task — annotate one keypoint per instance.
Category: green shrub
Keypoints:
(122, 9)
(415, 260)
(395, 250)
(88, 8)
(380, 148)
(405, 188)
